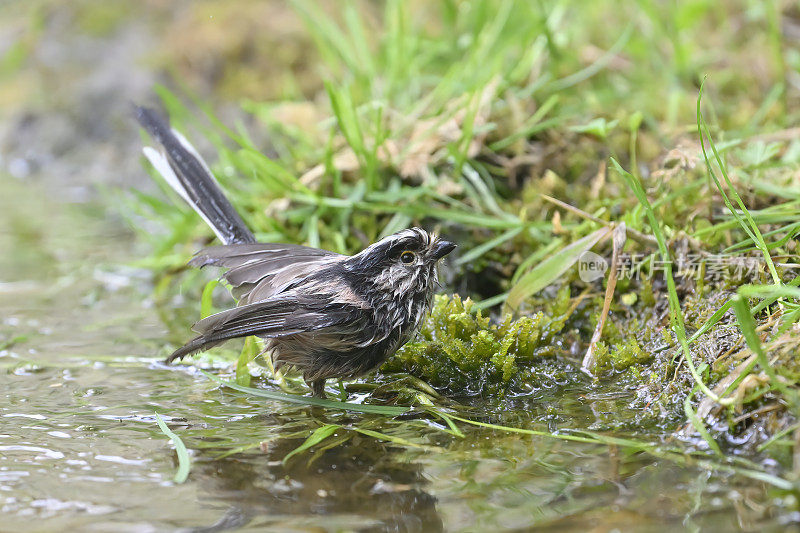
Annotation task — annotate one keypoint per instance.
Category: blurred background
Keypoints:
(70, 70)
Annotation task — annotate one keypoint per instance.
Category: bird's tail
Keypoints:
(186, 172)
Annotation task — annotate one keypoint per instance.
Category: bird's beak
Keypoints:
(441, 249)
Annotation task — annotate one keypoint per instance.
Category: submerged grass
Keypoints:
(520, 129)
(184, 462)
(319, 436)
(390, 410)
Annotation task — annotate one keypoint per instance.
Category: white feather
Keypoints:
(161, 164)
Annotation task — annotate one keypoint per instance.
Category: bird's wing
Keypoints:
(234, 255)
(258, 272)
(278, 317)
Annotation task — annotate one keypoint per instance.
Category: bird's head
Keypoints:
(401, 264)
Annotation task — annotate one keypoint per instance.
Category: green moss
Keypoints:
(460, 351)
(624, 355)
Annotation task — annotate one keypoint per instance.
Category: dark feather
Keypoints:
(233, 255)
(196, 183)
(260, 271)
(279, 317)
(256, 270)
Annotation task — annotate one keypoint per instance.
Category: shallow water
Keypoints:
(81, 381)
(80, 449)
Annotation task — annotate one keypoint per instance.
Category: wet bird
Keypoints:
(326, 314)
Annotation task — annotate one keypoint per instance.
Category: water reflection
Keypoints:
(362, 484)
(70, 459)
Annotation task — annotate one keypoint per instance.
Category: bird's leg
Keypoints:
(317, 387)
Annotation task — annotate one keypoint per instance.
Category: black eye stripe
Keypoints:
(411, 244)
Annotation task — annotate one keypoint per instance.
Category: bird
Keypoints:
(325, 314)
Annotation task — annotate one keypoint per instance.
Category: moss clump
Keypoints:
(624, 355)
(461, 352)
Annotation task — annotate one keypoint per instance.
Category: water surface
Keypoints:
(80, 381)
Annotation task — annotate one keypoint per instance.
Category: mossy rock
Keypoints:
(461, 352)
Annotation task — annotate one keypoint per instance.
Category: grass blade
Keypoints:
(552, 268)
(675, 312)
(452, 425)
(249, 352)
(752, 231)
(319, 435)
(184, 462)
(388, 410)
(522, 431)
(479, 250)
(206, 299)
(389, 438)
(748, 328)
(699, 426)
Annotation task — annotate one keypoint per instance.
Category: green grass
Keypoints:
(184, 461)
(467, 117)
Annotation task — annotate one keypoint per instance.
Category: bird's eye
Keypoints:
(407, 257)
